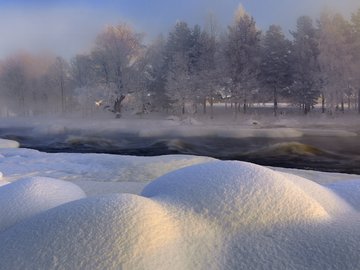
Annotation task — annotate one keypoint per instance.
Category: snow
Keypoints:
(255, 195)
(8, 144)
(349, 190)
(90, 167)
(210, 215)
(2, 181)
(30, 196)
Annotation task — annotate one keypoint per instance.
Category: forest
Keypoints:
(313, 69)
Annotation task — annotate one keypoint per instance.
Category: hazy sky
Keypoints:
(67, 27)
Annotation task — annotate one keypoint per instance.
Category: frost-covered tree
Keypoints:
(82, 70)
(116, 51)
(26, 85)
(306, 84)
(209, 75)
(355, 52)
(192, 75)
(178, 63)
(59, 74)
(242, 56)
(15, 83)
(156, 73)
(275, 69)
(334, 58)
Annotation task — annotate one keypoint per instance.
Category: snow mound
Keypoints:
(216, 215)
(112, 232)
(243, 194)
(8, 144)
(30, 196)
(349, 191)
(2, 181)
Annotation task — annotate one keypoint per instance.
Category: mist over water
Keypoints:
(322, 153)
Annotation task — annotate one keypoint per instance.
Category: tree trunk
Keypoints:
(342, 105)
(62, 96)
(204, 105)
(211, 107)
(358, 103)
(306, 108)
(236, 109)
(245, 106)
(322, 103)
(275, 102)
(117, 106)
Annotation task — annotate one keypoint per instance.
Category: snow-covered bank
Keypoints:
(8, 144)
(30, 196)
(214, 215)
(95, 173)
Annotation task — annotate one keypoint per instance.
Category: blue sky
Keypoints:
(70, 26)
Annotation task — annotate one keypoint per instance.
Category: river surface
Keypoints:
(322, 153)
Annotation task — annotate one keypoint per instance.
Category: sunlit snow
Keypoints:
(193, 213)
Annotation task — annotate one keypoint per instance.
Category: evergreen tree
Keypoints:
(334, 58)
(242, 55)
(275, 72)
(177, 62)
(305, 88)
(355, 25)
(156, 73)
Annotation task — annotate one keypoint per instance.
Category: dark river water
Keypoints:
(322, 153)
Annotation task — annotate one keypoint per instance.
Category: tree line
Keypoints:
(193, 67)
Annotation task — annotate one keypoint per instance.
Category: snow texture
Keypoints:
(2, 181)
(215, 215)
(30, 196)
(90, 167)
(8, 144)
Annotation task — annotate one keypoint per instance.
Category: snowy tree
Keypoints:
(178, 47)
(82, 70)
(191, 66)
(305, 88)
(355, 51)
(209, 73)
(116, 51)
(155, 74)
(14, 82)
(242, 54)
(334, 58)
(275, 73)
(59, 74)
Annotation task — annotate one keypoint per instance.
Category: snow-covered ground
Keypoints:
(96, 211)
(8, 144)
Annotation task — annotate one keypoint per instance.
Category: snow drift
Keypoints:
(254, 195)
(91, 167)
(30, 196)
(8, 144)
(216, 215)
